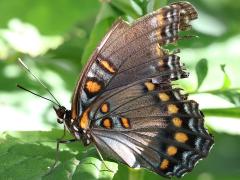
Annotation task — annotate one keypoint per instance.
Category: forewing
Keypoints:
(128, 48)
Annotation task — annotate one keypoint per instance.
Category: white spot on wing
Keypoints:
(84, 97)
(186, 108)
(152, 36)
(169, 16)
(154, 22)
(77, 135)
(123, 151)
(75, 128)
(88, 141)
(170, 59)
(177, 95)
(191, 124)
(198, 143)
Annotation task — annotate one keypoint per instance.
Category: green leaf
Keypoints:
(28, 155)
(93, 168)
(128, 7)
(231, 95)
(226, 80)
(50, 17)
(154, 5)
(223, 112)
(201, 70)
(105, 19)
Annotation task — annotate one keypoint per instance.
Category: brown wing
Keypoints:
(125, 97)
(79, 92)
(128, 46)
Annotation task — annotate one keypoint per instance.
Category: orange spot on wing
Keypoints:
(172, 109)
(163, 96)
(93, 86)
(105, 64)
(181, 137)
(171, 150)
(160, 19)
(74, 112)
(158, 34)
(177, 122)
(150, 86)
(159, 51)
(161, 62)
(125, 122)
(84, 121)
(105, 108)
(107, 123)
(164, 164)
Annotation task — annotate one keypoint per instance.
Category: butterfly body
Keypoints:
(126, 105)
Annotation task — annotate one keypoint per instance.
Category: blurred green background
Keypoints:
(55, 39)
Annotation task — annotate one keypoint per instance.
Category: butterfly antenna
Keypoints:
(23, 88)
(45, 87)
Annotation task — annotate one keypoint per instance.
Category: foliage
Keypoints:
(28, 155)
(56, 38)
(34, 153)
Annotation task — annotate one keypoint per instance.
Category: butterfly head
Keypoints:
(63, 114)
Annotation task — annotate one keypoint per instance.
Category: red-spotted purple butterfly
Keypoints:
(126, 105)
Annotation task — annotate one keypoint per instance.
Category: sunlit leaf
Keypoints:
(50, 17)
(93, 168)
(223, 112)
(226, 80)
(154, 4)
(104, 21)
(201, 70)
(232, 95)
(28, 155)
(128, 7)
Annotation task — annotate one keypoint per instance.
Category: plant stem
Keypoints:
(215, 91)
(223, 112)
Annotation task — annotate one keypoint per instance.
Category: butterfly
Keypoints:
(126, 105)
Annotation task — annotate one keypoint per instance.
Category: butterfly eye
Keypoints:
(60, 121)
(61, 113)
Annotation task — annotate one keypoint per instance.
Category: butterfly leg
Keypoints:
(103, 160)
(59, 141)
(188, 37)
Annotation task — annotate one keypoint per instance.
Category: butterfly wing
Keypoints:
(160, 130)
(133, 112)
